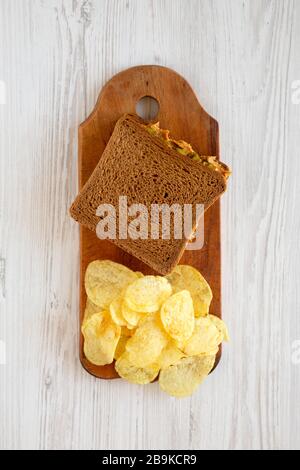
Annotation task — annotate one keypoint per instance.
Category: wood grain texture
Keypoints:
(119, 96)
(241, 58)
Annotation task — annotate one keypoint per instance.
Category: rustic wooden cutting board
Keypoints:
(181, 113)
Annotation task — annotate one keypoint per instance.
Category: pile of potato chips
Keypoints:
(152, 326)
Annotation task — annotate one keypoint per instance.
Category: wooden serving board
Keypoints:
(181, 113)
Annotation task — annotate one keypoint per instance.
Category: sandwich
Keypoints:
(142, 164)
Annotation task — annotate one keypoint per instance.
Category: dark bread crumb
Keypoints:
(139, 166)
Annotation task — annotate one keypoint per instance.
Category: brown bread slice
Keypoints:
(139, 166)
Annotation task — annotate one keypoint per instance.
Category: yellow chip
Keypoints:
(170, 355)
(147, 293)
(180, 344)
(105, 281)
(177, 316)
(131, 316)
(185, 277)
(148, 317)
(120, 349)
(205, 338)
(145, 346)
(212, 352)
(221, 327)
(115, 309)
(101, 336)
(90, 309)
(136, 375)
(139, 274)
(182, 379)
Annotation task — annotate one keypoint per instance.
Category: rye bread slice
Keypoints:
(139, 166)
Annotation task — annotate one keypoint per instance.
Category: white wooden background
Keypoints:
(242, 58)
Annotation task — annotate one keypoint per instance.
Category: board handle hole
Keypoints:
(147, 108)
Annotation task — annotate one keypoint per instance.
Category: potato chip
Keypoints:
(221, 327)
(90, 309)
(145, 346)
(146, 317)
(105, 281)
(182, 379)
(120, 349)
(212, 352)
(101, 336)
(205, 338)
(169, 356)
(147, 293)
(180, 344)
(136, 375)
(139, 274)
(177, 316)
(131, 316)
(115, 309)
(185, 277)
